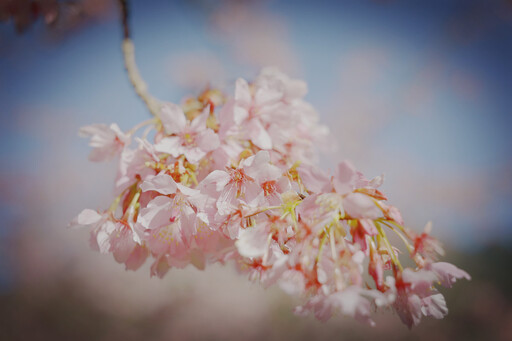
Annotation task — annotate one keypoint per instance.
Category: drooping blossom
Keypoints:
(417, 297)
(349, 302)
(117, 236)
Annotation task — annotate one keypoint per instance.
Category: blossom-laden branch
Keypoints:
(136, 80)
(234, 178)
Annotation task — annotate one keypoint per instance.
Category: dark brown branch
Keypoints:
(124, 15)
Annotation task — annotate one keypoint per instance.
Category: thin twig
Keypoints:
(140, 87)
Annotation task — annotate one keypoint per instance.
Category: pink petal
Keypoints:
(240, 114)
(242, 93)
(252, 242)
(208, 140)
(199, 123)
(169, 145)
(173, 119)
(157, 213)
(187, 191)
(435, 306)
(86, 217)
(264, 97)
(259, 136)
(359, 205)
(136, 258)
(162, 183)
(160, 267)
(314, 179)
(344, 178)
(121, 244)
(219, 178)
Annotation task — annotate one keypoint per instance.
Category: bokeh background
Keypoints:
(418, 90)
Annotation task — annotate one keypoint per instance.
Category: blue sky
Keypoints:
(458, 52)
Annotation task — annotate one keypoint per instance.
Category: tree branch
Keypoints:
(140, 87)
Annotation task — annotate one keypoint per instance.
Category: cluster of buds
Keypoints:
(233, 179)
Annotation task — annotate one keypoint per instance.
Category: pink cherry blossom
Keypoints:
(319, 210)
(106, 141)
(191, 139)
(236, 185)
(349, 302)
(101, 227)
(133, 165)
(113, 235)
(416, 297)
(125, 248)
(171, 218)
(269, 178)
(427, 245)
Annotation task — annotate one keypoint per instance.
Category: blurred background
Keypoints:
(417, 90)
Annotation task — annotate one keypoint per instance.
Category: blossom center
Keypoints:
(188, 138)
(269, 187)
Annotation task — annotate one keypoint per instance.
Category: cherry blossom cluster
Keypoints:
(234, 179)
